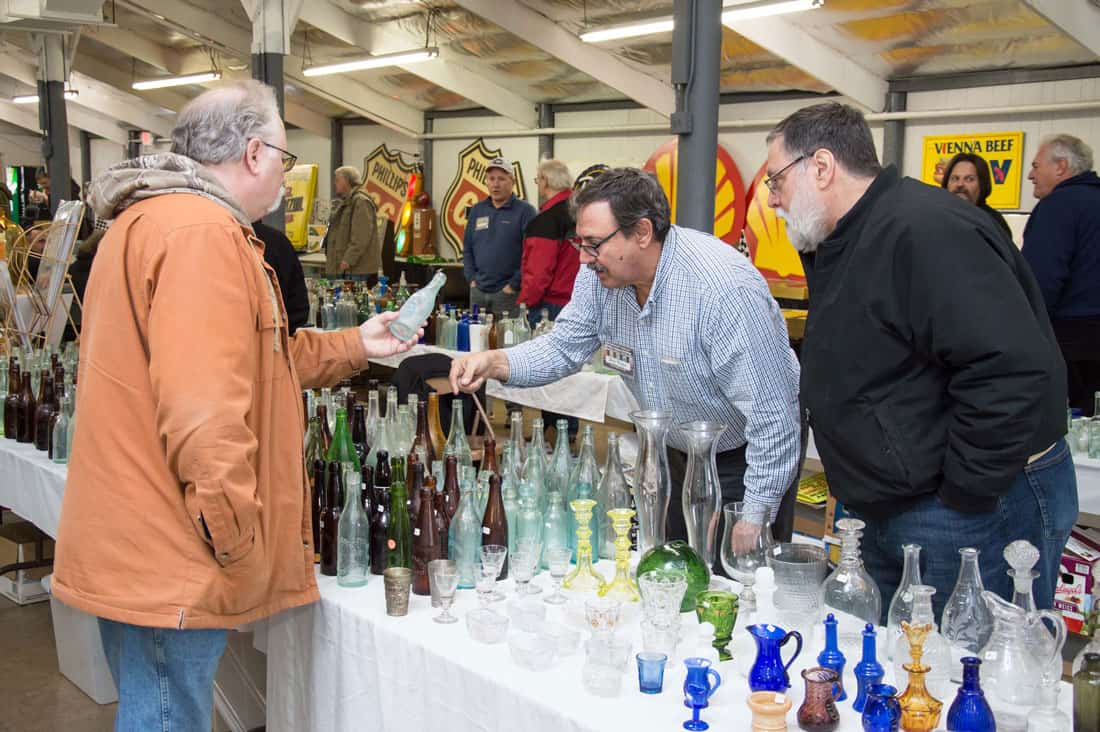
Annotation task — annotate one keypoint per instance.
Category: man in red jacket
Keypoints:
(550, 263)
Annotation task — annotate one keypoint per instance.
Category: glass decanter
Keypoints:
(920, 711)
(1012, 670)
(849, 593)
(652, 484)
(457, 444)
(970, 711)
(934, 649)
(613, 493)
(966, 621)
(584, 577)
(901, 604)
(622, 587)
(1022, 556)
(702, 491)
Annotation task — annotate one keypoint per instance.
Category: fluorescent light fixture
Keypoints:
(33, 98)
(374, 62)
(177, 80)
(614, 33)
(736, 11)
(764, 9)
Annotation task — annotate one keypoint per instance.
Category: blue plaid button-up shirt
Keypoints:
(709, 344)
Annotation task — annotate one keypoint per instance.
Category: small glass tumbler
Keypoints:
(398, 584)
(443, 575)
(651, 672)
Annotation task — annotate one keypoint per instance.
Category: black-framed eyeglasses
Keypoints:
(289, 158)
(772, 181)
(592, 248)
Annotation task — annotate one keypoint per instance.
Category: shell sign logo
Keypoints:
(729, 189)
(769, 248)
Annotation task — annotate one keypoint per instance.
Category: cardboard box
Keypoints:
(1073, 593)
(17, 544)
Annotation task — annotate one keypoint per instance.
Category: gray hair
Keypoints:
(215, 126)
(1073, 150)
(838, 128)
(633, 195)
(556, 174)
(351, 174)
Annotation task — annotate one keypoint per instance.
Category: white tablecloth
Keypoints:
(31, 485)
(343, 664)
(586, 395)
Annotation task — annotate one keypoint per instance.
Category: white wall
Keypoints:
(105, 153)
(1085, 125)
(312, 148)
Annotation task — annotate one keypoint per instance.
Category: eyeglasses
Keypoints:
(592, 248)
(772, 181)
(289, 159)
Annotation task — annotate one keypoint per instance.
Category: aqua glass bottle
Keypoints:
(353, 549)
(555, 526)
(585, 470)
(464, 537)
(561, 462)
(511, 511)
(457, 444)
(613, 493)
(61, 427)
(529, 519)
(534, 467)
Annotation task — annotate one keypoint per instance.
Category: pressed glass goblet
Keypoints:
(486, 584)
(524, 560)
(493, 555)
(558, 559)
(443, 574)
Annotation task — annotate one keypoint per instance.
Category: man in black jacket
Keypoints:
(280, 255)
(934, 383)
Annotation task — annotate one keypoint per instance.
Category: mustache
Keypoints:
(596, 267)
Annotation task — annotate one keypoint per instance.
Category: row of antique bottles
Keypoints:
(346, 304)
(461, 330)
(47, 420)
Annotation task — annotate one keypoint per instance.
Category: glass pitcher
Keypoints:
(1011, 671)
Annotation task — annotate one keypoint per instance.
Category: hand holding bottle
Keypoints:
(470, 372)
(377, 340)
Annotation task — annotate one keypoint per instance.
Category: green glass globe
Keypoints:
(677, 556)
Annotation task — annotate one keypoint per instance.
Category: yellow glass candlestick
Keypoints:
(623, 587)
(584, 577)
(920, 711)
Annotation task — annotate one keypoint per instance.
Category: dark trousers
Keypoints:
(1079, 340)
(534, 315)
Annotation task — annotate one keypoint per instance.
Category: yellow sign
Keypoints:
(1004, 151)
(302, 184)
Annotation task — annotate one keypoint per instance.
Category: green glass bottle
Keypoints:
(399, 532)
(1086, 695)
(342, 449)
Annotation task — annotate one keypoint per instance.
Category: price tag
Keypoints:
(416, 531)
(485, 530)
(381, 508)
(391, 544)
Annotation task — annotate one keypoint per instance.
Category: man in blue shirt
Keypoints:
(693, 331)
(1062, 245)
(492, 247)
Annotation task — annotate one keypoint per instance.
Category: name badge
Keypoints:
(618, 358)
(481, 223)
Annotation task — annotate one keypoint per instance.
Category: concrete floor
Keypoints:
(34, 696)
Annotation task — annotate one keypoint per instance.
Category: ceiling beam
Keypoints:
(800, 49)
(450, 71)
(93, 95)
(601, 65)
(344, 92)
(1078, 19)
(121, 79)
(132, 44)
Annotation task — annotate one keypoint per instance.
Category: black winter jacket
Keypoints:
(929, 364)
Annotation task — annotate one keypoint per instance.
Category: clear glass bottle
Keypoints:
(528, 518)
(613, 493)
(561, 461)
(464, 539)
(457, 444)
(536, 451)
(966, 623)
(901, 604)
(406, 435)
(515, 437)
(416, 308)
(849, 593)
(555, 527)
(937, 654)
(353, 552)
(586, 471)
(521, 326)
(60, 440)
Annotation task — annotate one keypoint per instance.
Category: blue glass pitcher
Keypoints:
(699, 686)
(768, 672)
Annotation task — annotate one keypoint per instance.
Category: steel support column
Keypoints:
(52, 117)
(426, 157)
(85, 158)
(893, 131)
(546, 121)
(268, 68)
(336, 157)
(696, 60)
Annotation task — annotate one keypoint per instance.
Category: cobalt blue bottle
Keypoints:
(832, 659)
(462, 338)
(970, 711)
(868, 671)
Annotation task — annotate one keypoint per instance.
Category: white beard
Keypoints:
(806, 225)
(276, 203)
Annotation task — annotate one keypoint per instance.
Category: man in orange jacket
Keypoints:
(186, 510)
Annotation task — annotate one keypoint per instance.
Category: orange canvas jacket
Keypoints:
(186, 504)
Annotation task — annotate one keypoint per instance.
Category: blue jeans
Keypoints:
(165, 677)
(1041, 507)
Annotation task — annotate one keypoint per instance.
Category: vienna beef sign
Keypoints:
(1003, 151)
(469, 187)
(386, 179)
